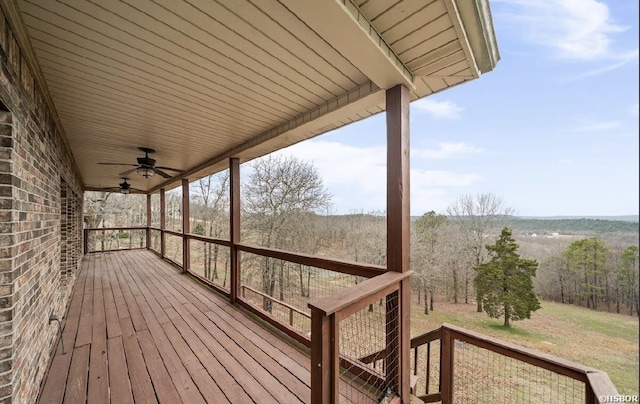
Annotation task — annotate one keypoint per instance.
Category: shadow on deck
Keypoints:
(137, 330)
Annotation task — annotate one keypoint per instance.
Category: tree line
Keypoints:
(286, 206)
(593, 274)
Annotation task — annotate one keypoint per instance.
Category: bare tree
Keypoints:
(108, 209)
(95, 208)
(478, 218)
(211, 193)
(429, 232)
(280, 191)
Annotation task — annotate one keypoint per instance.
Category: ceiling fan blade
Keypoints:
(170, 169)
(117, 164)
(160, 172)
(128, 172)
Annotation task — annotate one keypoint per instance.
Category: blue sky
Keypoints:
(553, 130)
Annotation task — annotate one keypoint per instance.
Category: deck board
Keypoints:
(139, 331)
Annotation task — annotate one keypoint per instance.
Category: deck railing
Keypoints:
(323, 276)
(453, 358)
(114, 239)
(465, 366)
(327, 281)
(335, 320)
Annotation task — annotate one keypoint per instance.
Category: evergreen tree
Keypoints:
(504, 283)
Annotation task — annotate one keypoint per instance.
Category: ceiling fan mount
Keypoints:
(146, 160)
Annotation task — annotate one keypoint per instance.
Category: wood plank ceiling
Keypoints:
(201, 80)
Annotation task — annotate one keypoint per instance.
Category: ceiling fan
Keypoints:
(124, 187)
(146, 166)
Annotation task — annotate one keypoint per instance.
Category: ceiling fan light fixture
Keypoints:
(146, 172)
(125, 187)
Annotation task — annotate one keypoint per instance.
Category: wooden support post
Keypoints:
(186, 253)
(163, 222)
(446, 366)
(398, 233)
(325, 371)
(234, 226)
(85, 241)
(148, 221)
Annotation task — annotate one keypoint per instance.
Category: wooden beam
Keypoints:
(398, 233)
(163, 222)
(366, 49)
(186, 256)
(398, 214)
(148, 221)
(234, 226)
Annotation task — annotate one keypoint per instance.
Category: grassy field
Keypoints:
(605, 341)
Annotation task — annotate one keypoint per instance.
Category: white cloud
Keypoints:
(596, 127)
(634, 109)
(622, 60)
(356, 176)
(446, 150)
(576, 29)
(439, 109)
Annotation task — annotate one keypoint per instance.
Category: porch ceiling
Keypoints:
(200, 80)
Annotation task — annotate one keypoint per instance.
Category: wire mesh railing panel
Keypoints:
(211, 261)
(484, 376)
(155, 210)
(426, 368)
(155, 240)
(283, 289)
(369, 349)
(108, 240)
(173, 248)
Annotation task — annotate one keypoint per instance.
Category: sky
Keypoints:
(552, 130)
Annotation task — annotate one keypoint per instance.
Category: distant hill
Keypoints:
(574, 224)
(627, 218)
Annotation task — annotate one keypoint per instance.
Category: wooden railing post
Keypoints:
(148, 221)
(234, 227)
(446, 366)
(163, 223)
(85, 241)
(186, 256)
(325, 371)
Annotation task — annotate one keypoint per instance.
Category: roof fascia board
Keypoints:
(477, 22)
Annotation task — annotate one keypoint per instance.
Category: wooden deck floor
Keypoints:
(138, 331)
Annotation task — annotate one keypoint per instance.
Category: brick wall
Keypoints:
(40, 226)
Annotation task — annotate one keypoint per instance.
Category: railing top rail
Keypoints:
(115, 228)
(346, 267)
(601, 384)
(347, 298)
(173, 232)
(534, 357)
(426, 337)
(206, 239)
